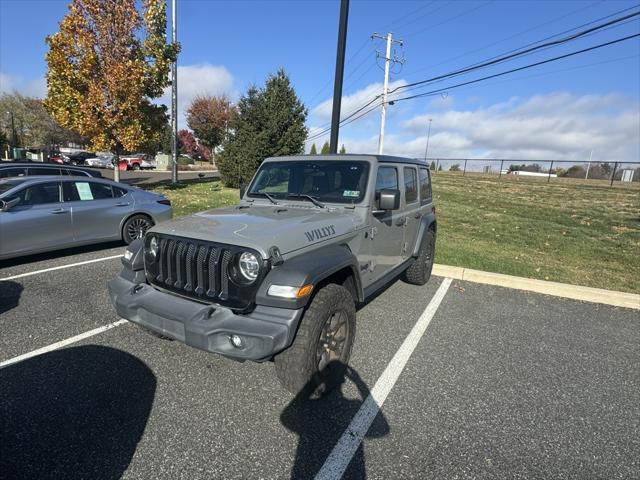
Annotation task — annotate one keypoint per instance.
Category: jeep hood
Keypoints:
(261, 227)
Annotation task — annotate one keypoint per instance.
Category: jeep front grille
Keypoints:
(200, 270)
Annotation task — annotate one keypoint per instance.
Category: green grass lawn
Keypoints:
(564, 232)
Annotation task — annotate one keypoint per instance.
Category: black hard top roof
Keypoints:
(353, 156)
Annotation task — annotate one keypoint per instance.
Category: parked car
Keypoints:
(56, 157)
(39, 214)
(100, 161)
(26, 169)
(78, 158)
(278, 276)
(138, 161)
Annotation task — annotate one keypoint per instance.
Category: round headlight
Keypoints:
(153, 246)
(249, 266)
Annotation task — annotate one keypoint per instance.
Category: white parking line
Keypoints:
(63, 343)
(45, 270)
(339, 458)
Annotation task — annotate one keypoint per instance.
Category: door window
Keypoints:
(86, 191)
(387, 179)
(39, 194)
(425, 186)
(410, 185)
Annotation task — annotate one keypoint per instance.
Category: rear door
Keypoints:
(96, 213)
(411, 208)
(38, 222)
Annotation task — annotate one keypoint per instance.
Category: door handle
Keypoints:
(58, 211)
(122, 204)
(402, 221)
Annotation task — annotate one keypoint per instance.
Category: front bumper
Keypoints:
(264, 332)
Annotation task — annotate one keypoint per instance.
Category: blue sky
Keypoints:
(560, 110)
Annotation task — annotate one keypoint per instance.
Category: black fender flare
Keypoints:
(309, 268)
(426, 222)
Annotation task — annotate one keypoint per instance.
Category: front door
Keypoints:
(38, 222)
(385, 234)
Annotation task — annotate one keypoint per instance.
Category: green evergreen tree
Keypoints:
(342, 149)
(270, 122)
(432, 166)
(439, 168)
(314, 150)
(325, 148)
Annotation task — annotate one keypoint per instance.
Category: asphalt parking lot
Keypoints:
(502, 384)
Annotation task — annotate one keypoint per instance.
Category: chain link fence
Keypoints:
(625, 174)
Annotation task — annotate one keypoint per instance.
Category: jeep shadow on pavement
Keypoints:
(278, 276)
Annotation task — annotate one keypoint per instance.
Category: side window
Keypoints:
(425, 186)
(387, 179)
(410, 185)
(12, 172)
(40, 194)
(85, 191)
(44, 171)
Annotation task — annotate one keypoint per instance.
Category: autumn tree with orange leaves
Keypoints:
(106, 64)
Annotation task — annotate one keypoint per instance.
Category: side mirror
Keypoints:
(389, 199)
(6, 205)
(243, 189)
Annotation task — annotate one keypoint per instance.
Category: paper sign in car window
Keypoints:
(84, 191)
(351, 193)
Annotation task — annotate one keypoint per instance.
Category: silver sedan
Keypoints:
(39, 214)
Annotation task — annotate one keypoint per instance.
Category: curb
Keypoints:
(565, 290)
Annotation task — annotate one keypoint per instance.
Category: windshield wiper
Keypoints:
(308, 197)
(265, 194)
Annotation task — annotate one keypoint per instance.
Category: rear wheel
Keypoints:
(316, 361)
(420, 271)
(135, 227)
(136, 166)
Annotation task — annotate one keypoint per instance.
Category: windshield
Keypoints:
(326, 181)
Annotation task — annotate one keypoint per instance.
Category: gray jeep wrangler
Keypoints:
(278, 276)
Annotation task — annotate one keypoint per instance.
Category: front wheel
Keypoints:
(316, 361)
(135, 227)
(419, 272)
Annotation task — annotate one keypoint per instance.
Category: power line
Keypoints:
(525, 67)
(518, 53)
(516, 35)
(462, 14)
(353, 116)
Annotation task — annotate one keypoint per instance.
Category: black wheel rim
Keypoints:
(332, 340)
(137, 228)
(428, 257)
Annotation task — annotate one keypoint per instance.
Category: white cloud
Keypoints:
(352, 102)
(558, 126)
(552, 126)
(33, 88)
(195, 80)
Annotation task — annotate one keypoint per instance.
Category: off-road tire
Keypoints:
(297, 366)
(129, 226)
(419, 272)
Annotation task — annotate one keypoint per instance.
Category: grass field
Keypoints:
(582, 234)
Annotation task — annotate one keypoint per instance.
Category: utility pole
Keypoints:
(174, 99)
(426, 150)
(337, 83)
(385, 87)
